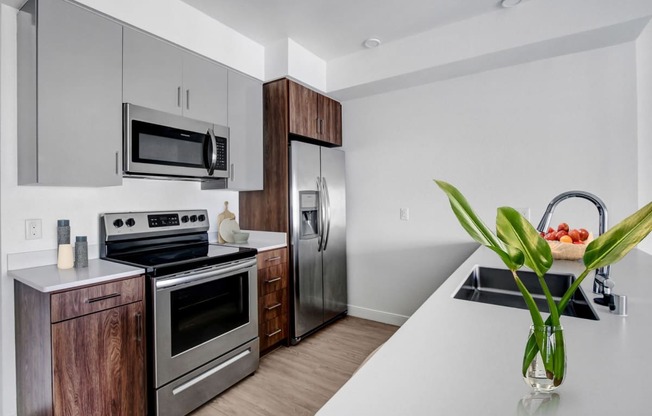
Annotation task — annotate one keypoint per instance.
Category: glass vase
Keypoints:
(545, 370)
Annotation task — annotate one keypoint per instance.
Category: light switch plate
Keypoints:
(405, 214)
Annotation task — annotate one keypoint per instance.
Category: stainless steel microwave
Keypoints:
(162, 145)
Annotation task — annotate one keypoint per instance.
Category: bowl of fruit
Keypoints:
(567, 243)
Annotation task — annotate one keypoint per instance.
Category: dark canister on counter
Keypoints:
(63, 232)
(81, 251)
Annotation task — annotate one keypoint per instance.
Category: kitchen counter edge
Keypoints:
(49, 278)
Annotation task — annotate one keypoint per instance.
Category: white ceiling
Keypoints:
(334, 28)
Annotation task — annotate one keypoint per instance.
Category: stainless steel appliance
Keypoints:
(202, 308)
(163, 145)
(318, 236)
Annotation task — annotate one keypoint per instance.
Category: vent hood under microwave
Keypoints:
(167, 146)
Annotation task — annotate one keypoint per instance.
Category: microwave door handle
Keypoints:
(211, 168)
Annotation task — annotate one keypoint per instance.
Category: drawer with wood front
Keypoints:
(272, 279)
(272, 305)
(273, 331)
(272, 257)
(78, 302)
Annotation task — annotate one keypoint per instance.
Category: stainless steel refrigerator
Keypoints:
(318, 237)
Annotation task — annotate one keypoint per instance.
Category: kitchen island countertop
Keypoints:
(455, 357)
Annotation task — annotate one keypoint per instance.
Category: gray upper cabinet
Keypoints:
(246, 133)
(164, 77)
(152, 71)
(71, 59)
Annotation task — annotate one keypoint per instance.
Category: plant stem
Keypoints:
(532, 346)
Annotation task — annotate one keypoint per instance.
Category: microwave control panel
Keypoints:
(222, 151)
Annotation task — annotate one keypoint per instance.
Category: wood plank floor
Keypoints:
(299, 380)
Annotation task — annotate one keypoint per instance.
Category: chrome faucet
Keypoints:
(601, 284)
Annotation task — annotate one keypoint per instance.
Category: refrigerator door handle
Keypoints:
(320, 214)
(327, 204)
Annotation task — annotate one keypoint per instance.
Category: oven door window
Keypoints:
(205, 311)
(162, 145)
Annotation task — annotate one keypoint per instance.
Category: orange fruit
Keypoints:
(566, 239)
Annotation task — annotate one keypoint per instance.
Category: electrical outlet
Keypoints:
(33, 230)
(405, 214)
(525, 212)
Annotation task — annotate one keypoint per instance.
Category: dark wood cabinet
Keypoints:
(314, 115)
(81, 351)
(273, 307)
(288, 109)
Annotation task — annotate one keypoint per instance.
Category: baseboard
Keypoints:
(378, 316)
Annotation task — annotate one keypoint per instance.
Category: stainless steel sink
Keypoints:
(497, 287)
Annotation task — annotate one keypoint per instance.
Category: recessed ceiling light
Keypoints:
(371, 43)
(509, 3)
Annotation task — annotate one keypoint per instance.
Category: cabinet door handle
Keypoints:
(101, 298)
(273, 258)
(321, 126)
(274, 333)
(271, 308)
(117, 157)
(232, 171)
(139, 327)
(188, 99)
(276, 279)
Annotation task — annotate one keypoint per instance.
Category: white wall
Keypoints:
(516, 136)
(81, 205)
(644, 90)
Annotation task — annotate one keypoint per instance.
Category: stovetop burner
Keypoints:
(164, 242)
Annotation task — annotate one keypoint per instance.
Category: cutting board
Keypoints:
(224, 215)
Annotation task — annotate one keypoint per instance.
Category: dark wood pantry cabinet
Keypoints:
(292, 111)
(81, 351)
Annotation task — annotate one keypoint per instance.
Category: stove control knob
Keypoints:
(118, 223)
(193, 218)
(130, 222)
(184, 218)
(202, 218)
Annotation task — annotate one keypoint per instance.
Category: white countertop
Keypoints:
(51, 279)
(264, 240)
(455, 357)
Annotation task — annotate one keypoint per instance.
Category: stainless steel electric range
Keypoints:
(201, 304)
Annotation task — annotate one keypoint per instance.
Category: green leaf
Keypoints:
(517, 232)
(613, 245)
(512, 257)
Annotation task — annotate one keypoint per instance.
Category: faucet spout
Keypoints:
(599, 204)
(602, 284)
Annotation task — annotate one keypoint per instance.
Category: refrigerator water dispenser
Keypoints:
(309, 205)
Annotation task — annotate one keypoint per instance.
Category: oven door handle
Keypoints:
(194, 277)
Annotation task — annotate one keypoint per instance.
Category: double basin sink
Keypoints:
(497, 287)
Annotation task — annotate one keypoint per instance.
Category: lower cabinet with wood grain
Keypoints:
(81, 351)
(273, 307)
